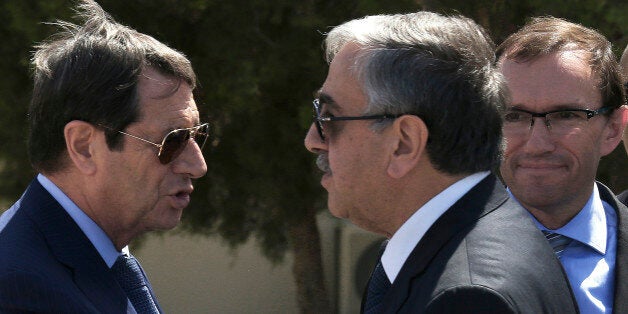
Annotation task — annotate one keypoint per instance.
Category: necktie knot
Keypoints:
(558, 242)
(130, 277)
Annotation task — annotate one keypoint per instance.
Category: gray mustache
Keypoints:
(322, 162)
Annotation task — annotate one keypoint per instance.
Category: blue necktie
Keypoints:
(377, 288)
(558, 242)
(129, 275)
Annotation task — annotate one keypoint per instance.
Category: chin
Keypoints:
(168, 220)
(336, 212)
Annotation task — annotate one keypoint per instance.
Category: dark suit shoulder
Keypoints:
(623, 197)
(469, 299)
(24, 291)
(506, 252)
(485, 247)
(46, 261)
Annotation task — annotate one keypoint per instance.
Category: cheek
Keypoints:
(511, 144)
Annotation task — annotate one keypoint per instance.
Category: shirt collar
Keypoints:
(410, 233)
(588, 226)
(94, 233)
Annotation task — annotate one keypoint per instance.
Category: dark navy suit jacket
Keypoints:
(48, 265)
(483, 255)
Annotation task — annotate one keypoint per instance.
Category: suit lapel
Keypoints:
(621, 268)
(72, 248)
(485, 197)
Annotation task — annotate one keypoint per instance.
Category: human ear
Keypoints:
(79, 141)
(614, 130)
(410, 136)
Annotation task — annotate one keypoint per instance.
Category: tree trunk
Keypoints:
(308, 266)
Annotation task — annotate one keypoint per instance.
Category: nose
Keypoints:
(191, 161)
(313, 141)
(539, 139)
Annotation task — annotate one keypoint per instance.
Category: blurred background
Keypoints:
(257, 237)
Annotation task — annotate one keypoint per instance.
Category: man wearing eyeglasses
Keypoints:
(407, 127)
(568, 111)
(116, 138)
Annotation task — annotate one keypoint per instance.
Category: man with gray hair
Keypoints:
(407, 128)
(116, 138)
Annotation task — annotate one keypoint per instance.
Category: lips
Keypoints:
(540, 165)
(181, 198)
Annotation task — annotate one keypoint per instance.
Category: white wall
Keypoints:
(196, 274)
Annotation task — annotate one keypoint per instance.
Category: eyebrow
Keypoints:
(327, 100)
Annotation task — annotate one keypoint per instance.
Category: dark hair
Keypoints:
(90, 73)
(542, 36)
(440, 68)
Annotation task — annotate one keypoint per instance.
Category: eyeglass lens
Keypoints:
(174, 143)
(317, 120)
(560, 122)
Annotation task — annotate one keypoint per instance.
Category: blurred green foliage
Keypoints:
(258, 63)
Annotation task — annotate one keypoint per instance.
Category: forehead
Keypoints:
(166, 100)
(559, 80)
(341, 87)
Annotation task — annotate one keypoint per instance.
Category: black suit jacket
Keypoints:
(48, 265)
(620, 303)
(484, 255)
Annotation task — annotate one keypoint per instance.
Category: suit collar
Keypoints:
(72, 248)
(482, 199)
(620, 304)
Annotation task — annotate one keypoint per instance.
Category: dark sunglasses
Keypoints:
(175, 141)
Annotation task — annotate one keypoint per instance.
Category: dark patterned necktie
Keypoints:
(129, 275)
(377, 288)
(558, 242)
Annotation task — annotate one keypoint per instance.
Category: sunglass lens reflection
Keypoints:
(173, 145)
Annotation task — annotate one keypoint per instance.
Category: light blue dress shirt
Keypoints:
(94, 233)
(589, 260)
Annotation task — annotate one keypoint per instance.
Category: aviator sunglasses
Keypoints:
(175, 141)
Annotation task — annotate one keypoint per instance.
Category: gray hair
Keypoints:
(440, 68)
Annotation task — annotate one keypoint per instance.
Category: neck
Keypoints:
(79, 191)
(415, 196)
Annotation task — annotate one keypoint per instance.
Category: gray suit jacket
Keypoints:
(620, 303)
(484, 255)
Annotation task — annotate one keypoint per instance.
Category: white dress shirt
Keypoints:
(410, 233)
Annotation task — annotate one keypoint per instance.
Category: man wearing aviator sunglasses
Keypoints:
(116, 138)
(567, 111)
(175, 141)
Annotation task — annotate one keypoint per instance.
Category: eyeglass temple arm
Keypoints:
(141, 139)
